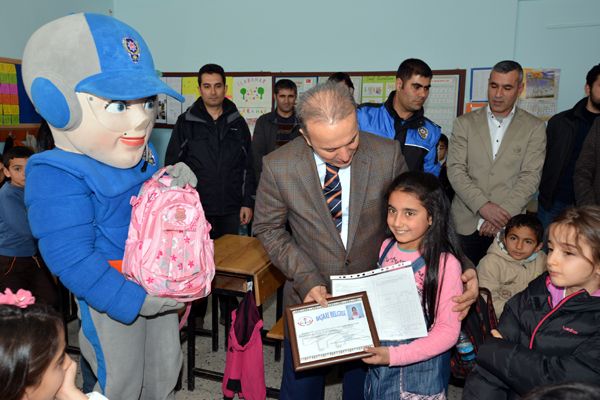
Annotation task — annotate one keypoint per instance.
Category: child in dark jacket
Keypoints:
(549, 332)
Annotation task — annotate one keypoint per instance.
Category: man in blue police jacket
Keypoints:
(402, 117)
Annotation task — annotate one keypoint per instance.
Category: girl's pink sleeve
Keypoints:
(444, 332)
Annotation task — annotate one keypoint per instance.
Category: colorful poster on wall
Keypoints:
(189, 90)
(229, 83)
(376, 89)
(252, 91)
(540, 94)
(9, 97)
(252, 95)
(474, 105)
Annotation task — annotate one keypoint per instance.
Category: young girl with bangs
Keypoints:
(418, 218)
(549, 333)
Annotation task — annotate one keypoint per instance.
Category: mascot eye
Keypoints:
(149, 104)
(116, 106)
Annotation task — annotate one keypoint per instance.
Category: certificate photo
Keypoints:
(327, 335)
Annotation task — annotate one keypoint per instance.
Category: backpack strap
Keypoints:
(416, 265)
(184, 319)
(385, 252)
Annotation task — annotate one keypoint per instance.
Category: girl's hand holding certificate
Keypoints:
(379, 356)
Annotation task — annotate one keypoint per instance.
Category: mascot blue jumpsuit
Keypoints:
(92, 78)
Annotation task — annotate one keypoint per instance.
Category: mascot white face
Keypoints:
(92, 78)
(114, 132)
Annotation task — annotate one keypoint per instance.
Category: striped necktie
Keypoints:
(332, 189)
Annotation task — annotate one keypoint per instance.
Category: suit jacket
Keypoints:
(510, 180)
(290, 191)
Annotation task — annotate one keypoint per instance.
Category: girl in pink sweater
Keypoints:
(418, 218)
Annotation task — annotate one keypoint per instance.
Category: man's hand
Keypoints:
(488, 229)
(464, 301)
(379, 356)
(318, 294)
(245, 215)
(495, 333)
(495, 214)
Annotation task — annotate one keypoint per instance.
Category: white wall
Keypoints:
(351, 35)
(562, 34)
(20, 18)
(317, 35)
(326, 35)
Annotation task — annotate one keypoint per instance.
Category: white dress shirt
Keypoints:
(498, 128)
(344, 175)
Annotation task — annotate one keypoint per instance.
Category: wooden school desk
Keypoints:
(240, 261)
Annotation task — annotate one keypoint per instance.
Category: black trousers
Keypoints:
(29, 273)
(475, 246)
(224, 225)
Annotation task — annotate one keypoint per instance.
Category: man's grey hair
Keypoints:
(329, 102)
(506, 66)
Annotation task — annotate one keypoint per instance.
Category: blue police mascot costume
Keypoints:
(92, 78)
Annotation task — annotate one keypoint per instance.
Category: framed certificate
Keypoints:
(322, 336)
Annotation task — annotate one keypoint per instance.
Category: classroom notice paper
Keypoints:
(393, 297)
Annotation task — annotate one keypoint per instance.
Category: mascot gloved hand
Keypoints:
(92, 78)
(182, 175)
(157, 305)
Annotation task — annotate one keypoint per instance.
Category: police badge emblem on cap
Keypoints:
(132, 48)
(423, 132)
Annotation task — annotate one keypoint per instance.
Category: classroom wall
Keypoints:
(19, 19)
(351, 35)
(316, 35)
(562, 34)
(23, 17)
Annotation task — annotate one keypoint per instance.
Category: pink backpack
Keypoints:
(168, 250)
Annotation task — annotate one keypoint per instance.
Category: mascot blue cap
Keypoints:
(90, 53)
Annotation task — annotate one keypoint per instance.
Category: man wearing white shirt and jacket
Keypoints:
(495, 159)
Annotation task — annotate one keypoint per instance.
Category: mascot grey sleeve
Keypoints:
(92, 78)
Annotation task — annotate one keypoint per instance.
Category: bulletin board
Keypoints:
(252, 92)
(17, 114)
(444, 104)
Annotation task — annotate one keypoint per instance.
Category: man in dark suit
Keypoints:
(300, 184)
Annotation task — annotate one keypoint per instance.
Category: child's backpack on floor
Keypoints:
(168, 250)
(477, 326)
